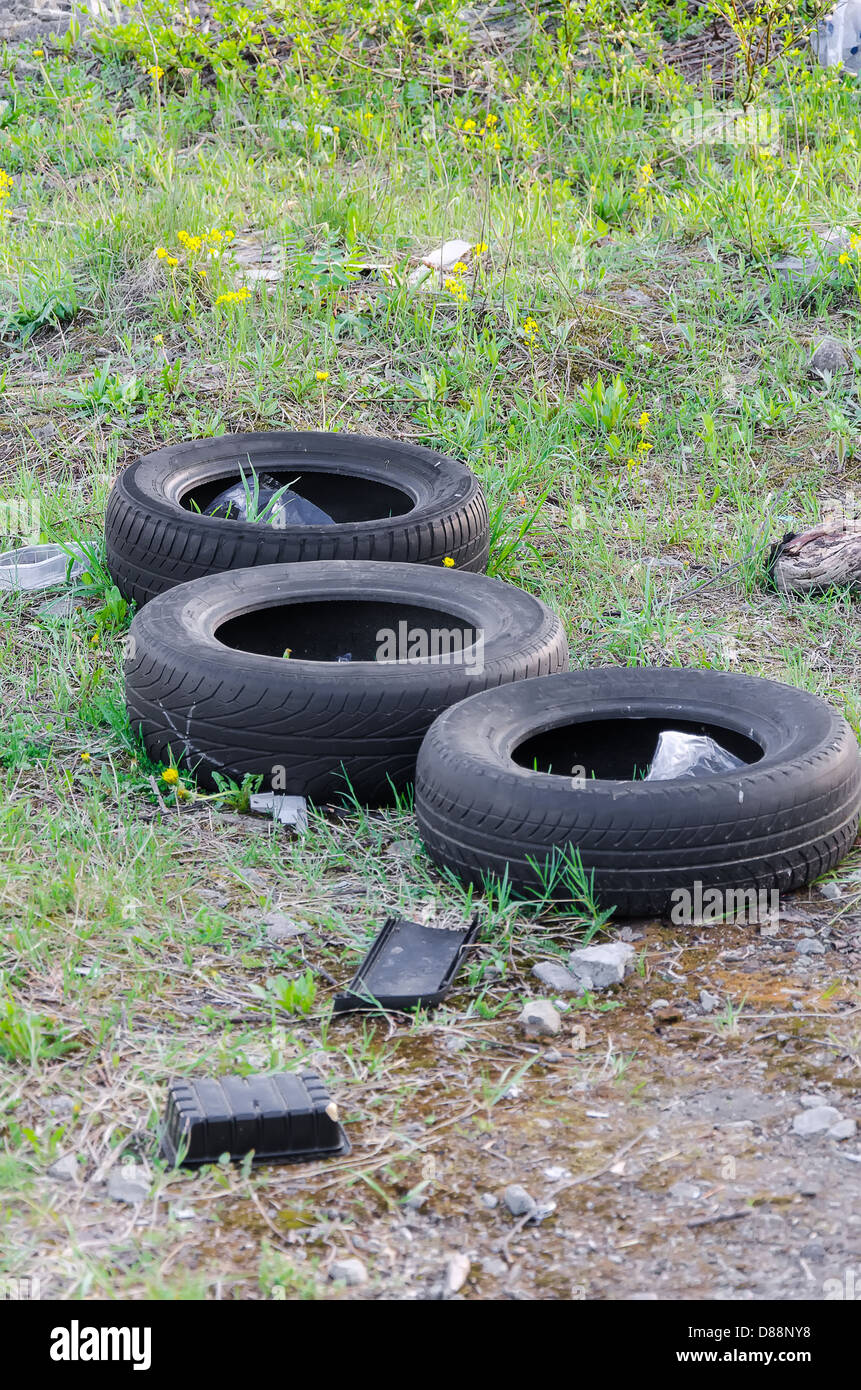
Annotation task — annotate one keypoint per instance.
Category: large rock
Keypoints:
(599, 967)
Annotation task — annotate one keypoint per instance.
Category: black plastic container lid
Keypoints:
(286, 1117)
(408, 966)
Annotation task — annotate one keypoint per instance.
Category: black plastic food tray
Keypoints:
(408, 966)
(286, 1117)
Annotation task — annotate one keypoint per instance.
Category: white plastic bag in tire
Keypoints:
(837, 38)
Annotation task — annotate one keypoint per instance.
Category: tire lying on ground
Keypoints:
(207, 683)
(520, 777)
(388, 501)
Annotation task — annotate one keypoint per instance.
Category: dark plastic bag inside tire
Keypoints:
(513, 779)
(240, 673)
(388, 501)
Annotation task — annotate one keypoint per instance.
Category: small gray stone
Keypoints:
(809, 946)
(814, 1251)
(539, 1019)
(65, 1169)
(557, 978)
(844, 1129)
(518, 1200)
(708, 1002)
(684, 1191)
(551, 1056)
(810, 1102)
(494, 1266)
(456, 1272)
(828, 360)
(599, 967)
(351, 1272)
(817, 1120)
(489, 1201)
(280, 927)
(830, 890)
(122, 1189)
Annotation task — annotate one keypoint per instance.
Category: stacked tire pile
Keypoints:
(309, 655)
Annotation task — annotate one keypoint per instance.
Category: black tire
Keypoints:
(155, 542)
(776, 823)
(218, 708)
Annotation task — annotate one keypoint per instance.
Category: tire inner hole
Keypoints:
(344, 497)
(619, 750)
(369, 630)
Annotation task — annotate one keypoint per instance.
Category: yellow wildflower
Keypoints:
(38, 52)
(170, 775)
(158, 339)
(647, 173)
(459, 268)
(162, 252)
(155, 72)
(480, 248)
(322, 376)
(643, 421)
(448, 562)
(491, 120)
(85, 757)
(469, 126)
(844, 258)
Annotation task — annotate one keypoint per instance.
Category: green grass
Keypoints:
(640, 456)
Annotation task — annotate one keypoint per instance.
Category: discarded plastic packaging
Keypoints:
(285, 1117)
(409, 966)
(837, 37)
(276, 505)
(440, 260)
(348, 656)
(689, 755)
(39, 566)
(290, 810)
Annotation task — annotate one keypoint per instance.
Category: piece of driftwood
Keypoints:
(825, 557)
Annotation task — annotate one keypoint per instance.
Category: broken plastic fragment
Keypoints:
(689, 755)
(290, 810)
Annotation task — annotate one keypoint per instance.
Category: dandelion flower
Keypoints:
(170, 775)
(322, 376)
(448, 562)
(181, 792)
